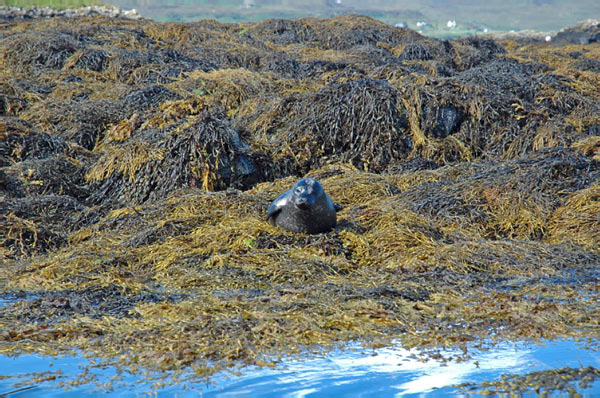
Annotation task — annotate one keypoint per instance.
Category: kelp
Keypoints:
(341, 122)
(544, 383)
(169, 152)
(138, 159)
(258, 292)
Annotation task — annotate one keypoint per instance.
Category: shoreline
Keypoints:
(12, 13)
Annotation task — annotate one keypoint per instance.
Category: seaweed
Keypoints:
(496, 190)
(59, 175)
(283, 31)
(36, 224)
(357, 122)
(138, 159)
(543, 383)
(474, 51)
(386, 271)
(200, 151)
(35, 52)
(81, 122)
(149, 97)
(347, 31)
(19, 141)
(94, 302)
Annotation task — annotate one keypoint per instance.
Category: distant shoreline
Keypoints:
(529, 35)
(11, 12)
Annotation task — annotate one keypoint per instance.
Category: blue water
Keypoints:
(356, 372)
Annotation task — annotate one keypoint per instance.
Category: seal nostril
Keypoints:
(302, 205)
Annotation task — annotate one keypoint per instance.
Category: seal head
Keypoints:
(304, 208)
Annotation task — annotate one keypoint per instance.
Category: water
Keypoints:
(469, 16)
(356, 372)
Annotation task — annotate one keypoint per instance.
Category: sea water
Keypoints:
(353, 372)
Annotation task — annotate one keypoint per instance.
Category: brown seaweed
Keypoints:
(137, 160)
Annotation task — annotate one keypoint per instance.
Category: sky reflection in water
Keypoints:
(385, 372)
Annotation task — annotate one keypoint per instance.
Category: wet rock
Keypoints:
(584, 33)
(445, 120)
(11, 13)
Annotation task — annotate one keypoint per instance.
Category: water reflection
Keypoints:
(386, 372)
(396, 372)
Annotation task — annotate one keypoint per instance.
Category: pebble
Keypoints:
(10, 13)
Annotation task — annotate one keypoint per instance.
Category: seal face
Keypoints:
(304, 208)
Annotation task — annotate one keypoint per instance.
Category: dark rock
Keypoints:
(584, 33)
(12, 13)
(445, 120)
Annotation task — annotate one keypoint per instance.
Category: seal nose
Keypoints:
(303, 202)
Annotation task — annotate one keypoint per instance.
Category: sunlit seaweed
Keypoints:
(543, 383)
(138, 160)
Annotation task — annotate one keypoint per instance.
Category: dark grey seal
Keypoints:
(304, 208)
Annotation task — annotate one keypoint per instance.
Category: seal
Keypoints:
(304, 208)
